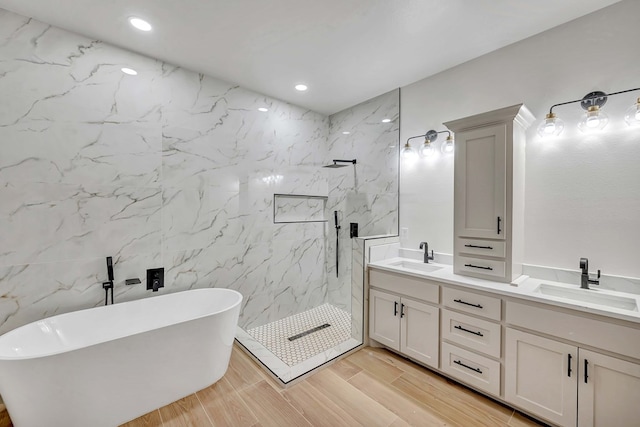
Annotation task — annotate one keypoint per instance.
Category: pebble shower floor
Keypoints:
(275, 335)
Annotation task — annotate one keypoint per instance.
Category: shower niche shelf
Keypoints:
(299, 208)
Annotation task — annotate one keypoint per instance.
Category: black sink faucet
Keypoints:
(108, 285)
(427, 257)
(585, 278)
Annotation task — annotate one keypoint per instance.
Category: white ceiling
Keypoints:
(346, 51)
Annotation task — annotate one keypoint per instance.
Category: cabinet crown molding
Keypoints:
(518, 113)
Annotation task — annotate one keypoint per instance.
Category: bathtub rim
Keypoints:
(16, 358)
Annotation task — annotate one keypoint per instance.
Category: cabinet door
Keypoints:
(480, 182)
(419, 336)
(384, 318)
(541, 376)
(609, 393)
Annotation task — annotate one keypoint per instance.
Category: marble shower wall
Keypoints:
(167, 168)
(365, 193)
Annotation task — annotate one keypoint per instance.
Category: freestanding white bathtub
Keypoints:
(108, 365)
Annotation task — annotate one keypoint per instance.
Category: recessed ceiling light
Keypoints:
(346, 132)
(129, 71)
(301, 87)
(264, 110)
(386, 120)
(140, 24)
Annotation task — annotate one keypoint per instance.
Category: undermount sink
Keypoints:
(593, 296)
(415, 265)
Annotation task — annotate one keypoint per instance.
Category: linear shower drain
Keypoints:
(310, 331)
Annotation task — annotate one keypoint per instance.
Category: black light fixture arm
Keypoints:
(592, 99)
(431, 135)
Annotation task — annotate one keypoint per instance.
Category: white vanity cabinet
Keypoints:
(610, 395)
(489, 193)
(402, 322)
(541, 376)
(565, 383)
(471, 338)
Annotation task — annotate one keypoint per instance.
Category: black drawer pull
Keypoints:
(395, 308)
(478, 247)
(480, 334)
(569, 364)
(457, 362)
(478, 266)
(401, 311)
(586, 371)
(459, 301)
(499, 221)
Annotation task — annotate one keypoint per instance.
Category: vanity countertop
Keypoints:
(619, 305)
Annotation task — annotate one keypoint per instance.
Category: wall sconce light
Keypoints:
(594, 119)
(427, 149)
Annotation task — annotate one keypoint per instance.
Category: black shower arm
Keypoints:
(344, 161)
(425, 135)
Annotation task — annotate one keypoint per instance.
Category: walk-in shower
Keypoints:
(307, 311)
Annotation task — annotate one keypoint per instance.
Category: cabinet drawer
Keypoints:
(481, 247)
(422, 289)
(480, 305)
(479, 266)
(473, 369)
(477, 334)
(617, 338)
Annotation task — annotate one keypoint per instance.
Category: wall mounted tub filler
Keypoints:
(108, 285)
(585, 278)
(427, 257)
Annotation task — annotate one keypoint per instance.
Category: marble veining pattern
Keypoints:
(173, 169)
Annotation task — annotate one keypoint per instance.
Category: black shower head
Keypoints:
(336, 165)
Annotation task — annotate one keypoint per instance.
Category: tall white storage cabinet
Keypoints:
(489, 193)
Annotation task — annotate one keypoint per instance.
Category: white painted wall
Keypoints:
(582, 193)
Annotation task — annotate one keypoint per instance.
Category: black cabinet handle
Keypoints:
(478, 266)
(395, 308)
(478, 247)
(480, 334)
(459, 301)
(457, 362)
(499, 221)
(569, 365)
(586, 370)
(401, 311)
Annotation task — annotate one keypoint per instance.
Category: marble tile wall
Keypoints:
(169, 168)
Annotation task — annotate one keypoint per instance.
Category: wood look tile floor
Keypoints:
(372, 387)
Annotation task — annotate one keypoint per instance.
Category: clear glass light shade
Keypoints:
(632, 115)
(447, 146)
(408, 153)
(594, 120)
(551, 126)
(427, 150)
